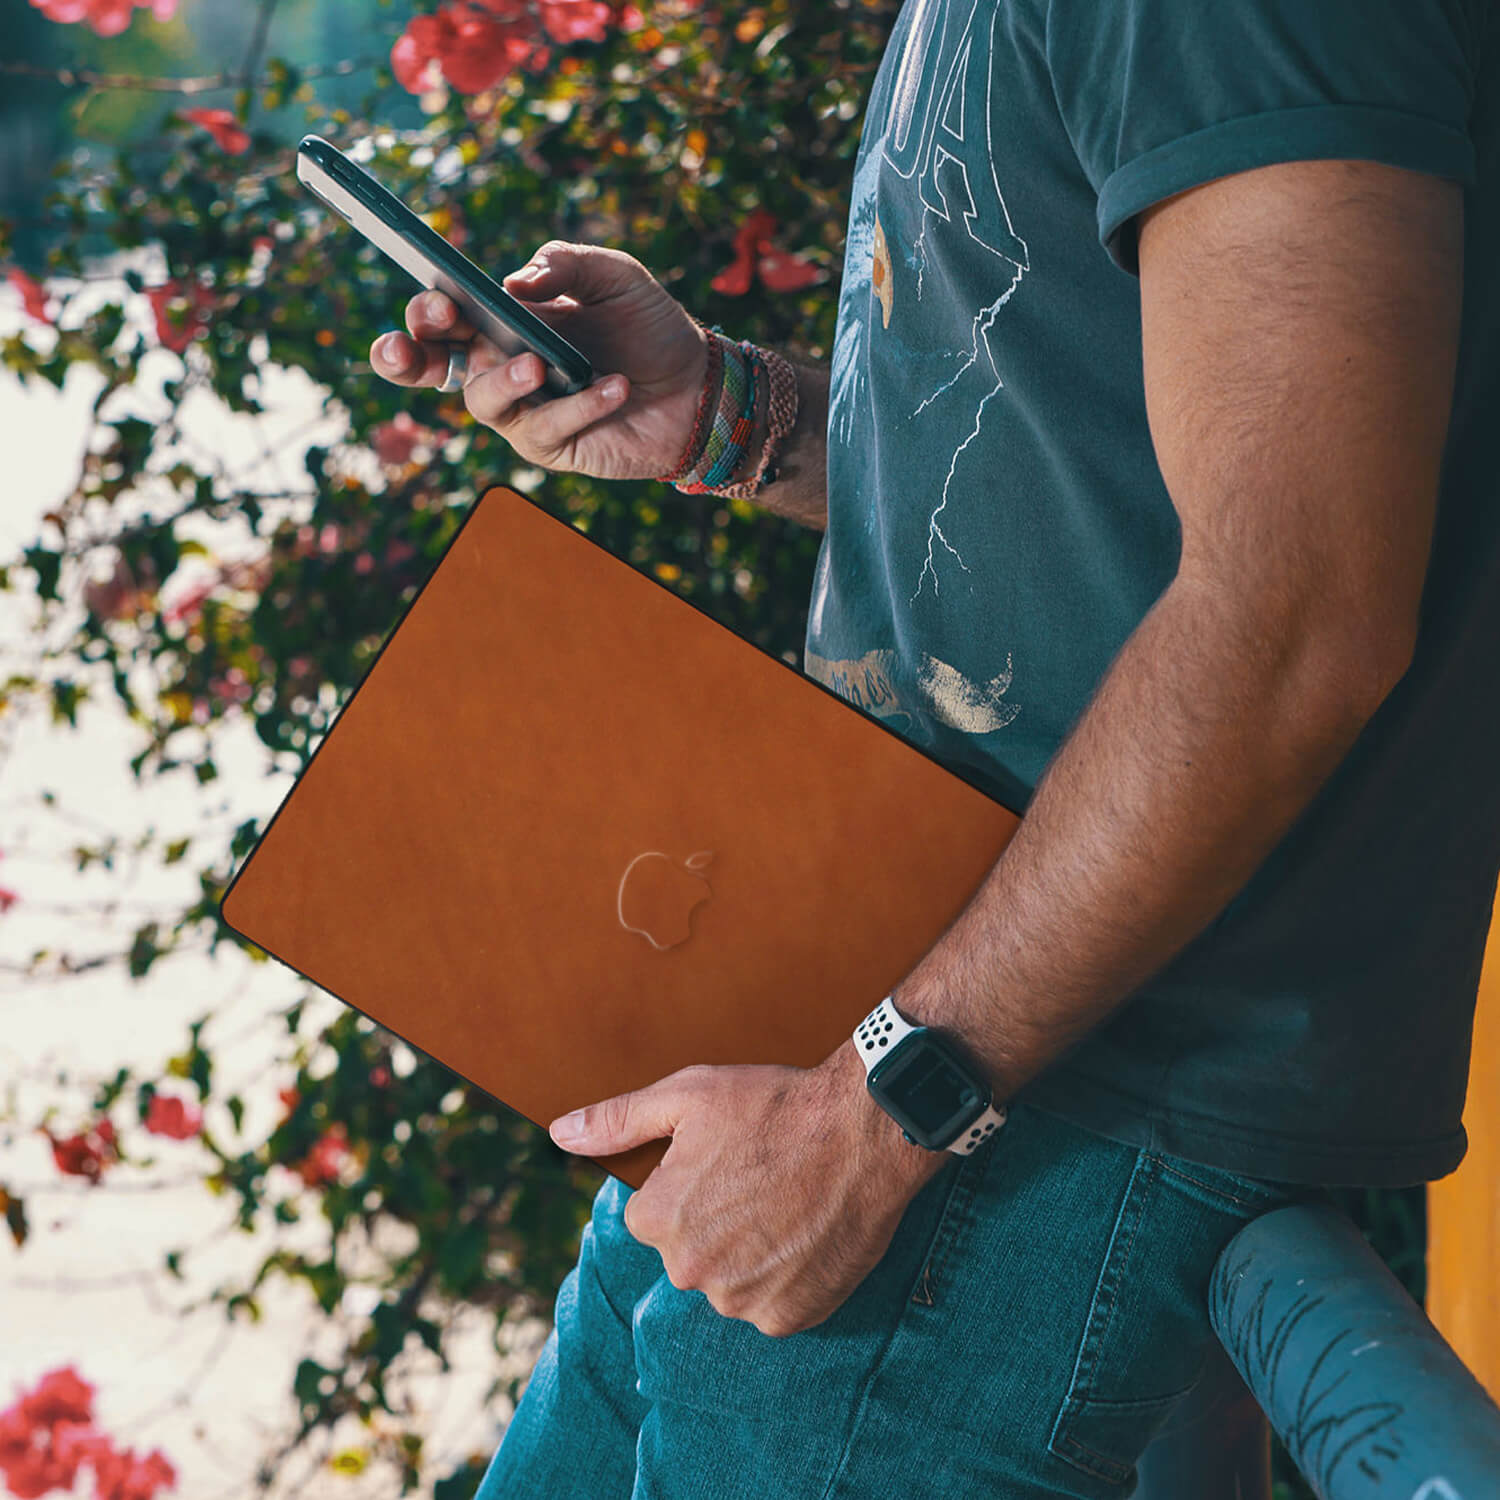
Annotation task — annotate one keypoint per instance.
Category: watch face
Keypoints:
(930, 1096)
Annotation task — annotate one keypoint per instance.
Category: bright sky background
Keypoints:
(89, 1288)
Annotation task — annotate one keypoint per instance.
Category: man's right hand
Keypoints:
(611, 308)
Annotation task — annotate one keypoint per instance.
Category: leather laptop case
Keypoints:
(569, 835)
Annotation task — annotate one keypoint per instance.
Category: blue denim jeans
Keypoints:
(1039, 1312)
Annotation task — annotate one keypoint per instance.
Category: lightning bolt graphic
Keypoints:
(984, 320)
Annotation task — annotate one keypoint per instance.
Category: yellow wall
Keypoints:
(1463, 1210)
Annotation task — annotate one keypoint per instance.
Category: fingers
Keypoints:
(420, 356)
(491, 396)
(433, 315)
(404, 361)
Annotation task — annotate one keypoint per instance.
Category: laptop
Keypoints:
(570, 835)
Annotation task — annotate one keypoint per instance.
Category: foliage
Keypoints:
(689, 136)
(662, 137)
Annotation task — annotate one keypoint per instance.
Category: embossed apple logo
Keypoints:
(657, 896)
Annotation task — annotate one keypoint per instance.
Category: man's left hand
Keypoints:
(780, 1192)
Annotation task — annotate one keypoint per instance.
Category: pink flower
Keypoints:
(323, 1161)
(574, 20)
(394, 441)
(179, 312)
(189, 602)
(173, 1117)
(61, 1395)
(120, 1475)
(472, 47)
(105, 17)
(85, 1154)
(33, 293)
(222, 125)
(8, 899)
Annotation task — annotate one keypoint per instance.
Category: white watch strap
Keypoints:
(879, 1032)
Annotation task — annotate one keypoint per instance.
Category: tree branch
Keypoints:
(206, 83)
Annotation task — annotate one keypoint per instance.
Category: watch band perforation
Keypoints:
(879, 1032)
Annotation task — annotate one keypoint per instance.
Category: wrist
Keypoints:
(872, 1134)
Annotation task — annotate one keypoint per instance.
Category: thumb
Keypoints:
(622, 1122)
(587, 273)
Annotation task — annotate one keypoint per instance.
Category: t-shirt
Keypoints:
(998, 526)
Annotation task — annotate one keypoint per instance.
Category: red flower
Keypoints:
(33, 293)
(85, 1154)
(173, 1117)
(323, 1161)
(574, 20)
(61, 1395)
(223, 127)
(179, 312)
(8, 899)
(120, 1475)
(471, 46)
(290, 1099)
(105, 17)
(396, 440)
(754, 252)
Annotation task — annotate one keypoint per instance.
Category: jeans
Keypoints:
(1040, 1310)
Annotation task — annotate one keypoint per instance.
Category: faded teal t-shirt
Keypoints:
(998, 526)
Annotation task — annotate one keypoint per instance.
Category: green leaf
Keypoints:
(48, 566)
(176, 850)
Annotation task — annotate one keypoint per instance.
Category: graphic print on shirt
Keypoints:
(936, 142)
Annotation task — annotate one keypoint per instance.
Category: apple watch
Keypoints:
(923, 1082)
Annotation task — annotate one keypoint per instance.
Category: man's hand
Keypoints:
(780, 1191)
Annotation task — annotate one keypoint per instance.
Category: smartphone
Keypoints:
(424, 254)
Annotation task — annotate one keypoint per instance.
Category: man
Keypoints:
(1160, 499)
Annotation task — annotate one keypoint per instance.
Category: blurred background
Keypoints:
(254, 1245)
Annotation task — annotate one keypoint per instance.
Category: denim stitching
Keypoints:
(1208, 1187)
(841, 1464)
(1096, 1325)
(955, 1212)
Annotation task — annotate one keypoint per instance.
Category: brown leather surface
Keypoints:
(450, 861)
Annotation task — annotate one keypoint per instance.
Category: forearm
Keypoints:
(800, 490)
(1208, 736)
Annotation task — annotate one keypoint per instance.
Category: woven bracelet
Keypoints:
(707, 404)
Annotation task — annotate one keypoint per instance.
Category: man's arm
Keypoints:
(800, 491)
(1300, 328)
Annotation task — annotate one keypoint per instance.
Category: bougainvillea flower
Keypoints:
(180, 312)
(85, 1154)
(33, 293)
(755, 254)
(472, 47)
(61, 1395)
(223, 127)
(575, 20)
(323, 1161)
(395, 441)
(105, 17)
(173, 1117)
(120, 1475)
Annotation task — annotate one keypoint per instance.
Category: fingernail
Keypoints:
(528, 273)
(385, 348)
(568, 1129)
(612, 389)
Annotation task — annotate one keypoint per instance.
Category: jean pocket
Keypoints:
(1147, 1336)
(955, 1215)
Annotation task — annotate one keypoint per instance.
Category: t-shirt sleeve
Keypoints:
(1159, 96)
